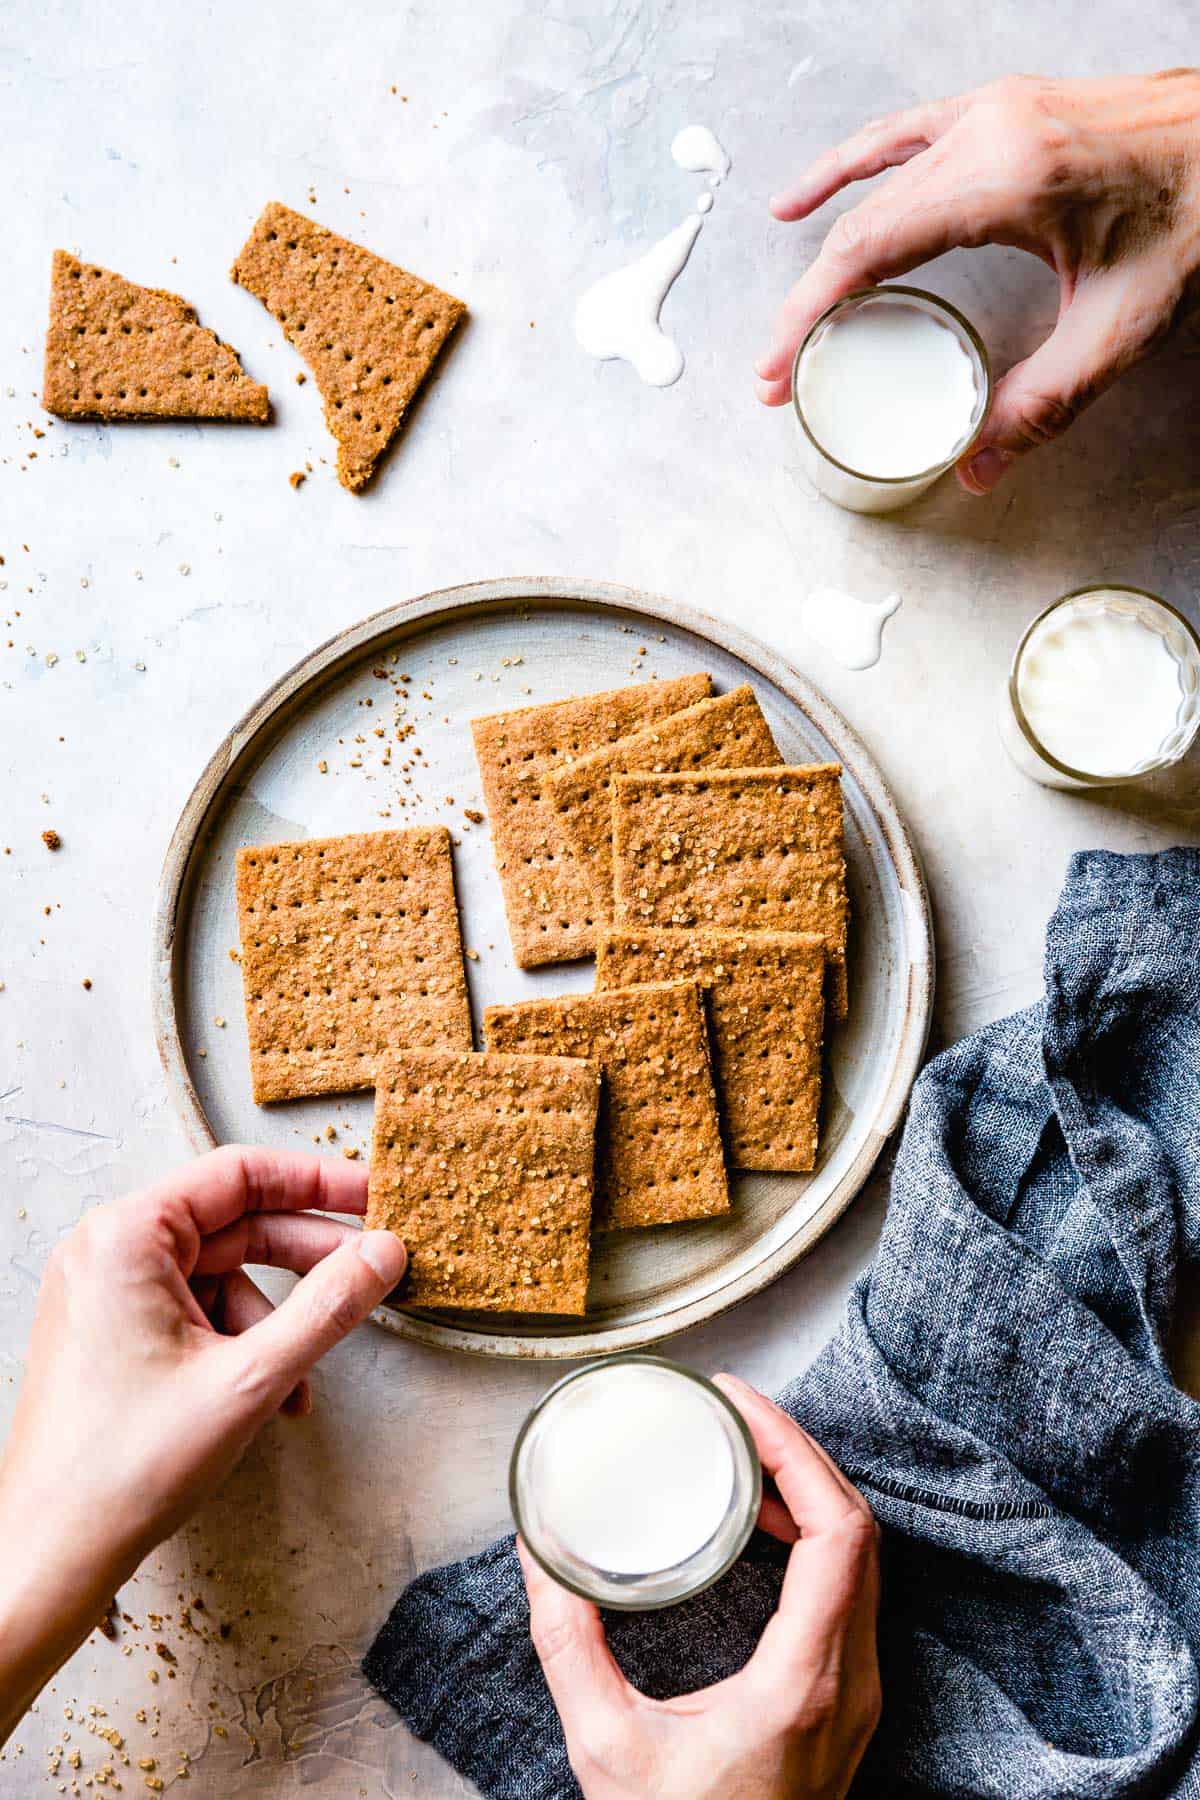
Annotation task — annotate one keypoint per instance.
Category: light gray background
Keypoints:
(532, 154)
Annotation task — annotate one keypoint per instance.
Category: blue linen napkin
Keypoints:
(999, 1391)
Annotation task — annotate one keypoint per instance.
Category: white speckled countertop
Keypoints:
(524, 151)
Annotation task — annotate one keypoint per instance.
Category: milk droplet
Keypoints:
(850, 629)
(696, 149)
(618, 315)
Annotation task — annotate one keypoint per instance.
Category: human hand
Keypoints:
(1100, 179)
(796, 1719)
(153, 1361)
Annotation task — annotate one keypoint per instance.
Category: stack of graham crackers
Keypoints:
(654, 827)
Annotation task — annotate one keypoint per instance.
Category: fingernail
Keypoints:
(986, 467)
(383, 1252)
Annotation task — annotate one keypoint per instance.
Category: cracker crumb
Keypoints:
(52, 840)
(87, 982)
(350, 1152)
(297, 478)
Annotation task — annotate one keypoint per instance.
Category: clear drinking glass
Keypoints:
(641, 1589)
(851, 488)
(1021, 740)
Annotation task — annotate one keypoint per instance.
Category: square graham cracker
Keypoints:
(726, 732)
(369, 331)
(660, 1155)
(118, 351)
(483, 1164)
(547, 901)
(350, 947)
(747, 849)
(766, 1012)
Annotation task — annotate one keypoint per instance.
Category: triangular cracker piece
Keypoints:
(118, 351)
(369, 331)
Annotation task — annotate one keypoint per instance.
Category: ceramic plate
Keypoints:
(482, 649)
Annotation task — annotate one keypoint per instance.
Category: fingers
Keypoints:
(925, 209)
(830, 1589)
(811, 1486)
(883, 144)
(242, 1305)
(321, 1309)
(233, 1304)
(775, 1519)
(218, 1188)
(296, 1241)
(580, 1669)
(1106, 326)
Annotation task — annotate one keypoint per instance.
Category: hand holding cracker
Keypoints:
(154, 1361)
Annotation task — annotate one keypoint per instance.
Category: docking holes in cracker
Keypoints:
(350, 947)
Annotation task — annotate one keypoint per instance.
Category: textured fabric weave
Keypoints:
(1001, 1394)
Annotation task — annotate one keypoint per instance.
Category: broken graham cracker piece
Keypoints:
(483, 1164)
(350, 947)
(726, 732)
(660, 1155)
(118, 351)
(547, 901)
(369, 331)
(747, 849)
(766, 1011)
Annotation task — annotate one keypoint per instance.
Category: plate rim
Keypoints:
(315, 669)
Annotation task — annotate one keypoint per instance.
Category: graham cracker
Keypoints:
(483, 1164)
(661, 1158)
(728, 732)
(350, 948)
(547, 901)
(369, 331)
(750, 849)
(766, 1013)
(118, 351)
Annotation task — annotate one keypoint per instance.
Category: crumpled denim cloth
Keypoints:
(999, 1391)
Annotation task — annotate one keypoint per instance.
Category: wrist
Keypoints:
(56, 1584)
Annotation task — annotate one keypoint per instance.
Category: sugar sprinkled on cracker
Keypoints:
(118, 351)
(765, 994)
(546, 899)
(483, 1164)
(369, 331)
(661, 1158)
(751, 849)
(350, 947)
(726, 732)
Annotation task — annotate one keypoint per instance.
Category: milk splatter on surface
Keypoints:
(618, 316)
(849, 628)
(696, 148)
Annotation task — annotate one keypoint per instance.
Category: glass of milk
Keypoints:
(1104, 690)
(635, 1482)
(890, 388)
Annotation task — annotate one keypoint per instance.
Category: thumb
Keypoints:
(1100, 332)
(581, 1672)
(322, 1309)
